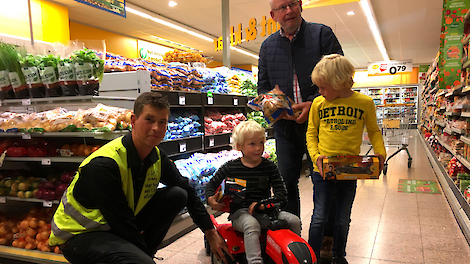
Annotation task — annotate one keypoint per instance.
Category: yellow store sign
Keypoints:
(268, 26)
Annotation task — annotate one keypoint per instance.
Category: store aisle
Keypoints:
(388, 227)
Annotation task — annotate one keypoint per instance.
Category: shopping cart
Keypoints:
(396, 126)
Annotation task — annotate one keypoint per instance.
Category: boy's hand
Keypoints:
(252, 207)
(320, 163)
(382, 161)
(212, 201)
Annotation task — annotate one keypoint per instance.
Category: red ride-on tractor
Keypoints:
(280, 245)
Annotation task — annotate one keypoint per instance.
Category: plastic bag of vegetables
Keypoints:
(67, 77)
(30, 68)
(89, 71)
(10, 60)
(48, 70)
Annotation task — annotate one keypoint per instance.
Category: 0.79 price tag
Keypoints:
(46, 162)
(182, 147)
(47, 203)
(211, 142)
(182, 100)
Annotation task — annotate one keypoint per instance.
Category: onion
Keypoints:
(4, 241)
(30, 246)
(15, 243)
(24, 224)
(33, 223)
(31, 232)
(21, 244)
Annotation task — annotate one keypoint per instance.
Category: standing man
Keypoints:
(113, 211)
(287, 58)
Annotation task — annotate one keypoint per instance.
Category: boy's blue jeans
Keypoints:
(345, 192)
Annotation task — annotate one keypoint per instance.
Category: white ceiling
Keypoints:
(410, 28)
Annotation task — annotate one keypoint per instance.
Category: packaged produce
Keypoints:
(274, 104)
(49, 73)
(351, 167)
(30, 68)
(89, 69)
(10, 59)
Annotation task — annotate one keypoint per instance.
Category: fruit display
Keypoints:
(183, 124)
(234, 84)
(216, 122)
(213, 81)
(101, 118)
(31, 231)
(183, 56)
(175, 78)
(41, 148)
(249, 88)
(16, 184)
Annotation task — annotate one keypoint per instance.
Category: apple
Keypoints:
(31, 151)
(60, 190)
(38, 193)
(48, 185)
(28, 194)
(24, 186)
(8, 183)
(2, 191)
(6, 143)
(13, 193)
(20, 194)
(14, 186)
(35, 185)
(49, 195)
(56, 184)
(42, 185)
(67, 177)
(41, 151)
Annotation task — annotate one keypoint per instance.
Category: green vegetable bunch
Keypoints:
(89, 56)
(9, 58)
(248, 88)
(258, 117)
(30, 61)
(50, 61)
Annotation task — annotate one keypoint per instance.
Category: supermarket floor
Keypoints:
(388, 227)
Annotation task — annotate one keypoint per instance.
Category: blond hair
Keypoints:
(246, 129)
(336, 70)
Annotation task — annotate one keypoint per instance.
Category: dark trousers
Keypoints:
(105, 247)
(290, 149)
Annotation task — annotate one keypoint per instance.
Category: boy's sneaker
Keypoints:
(339, 260)
(326, 251)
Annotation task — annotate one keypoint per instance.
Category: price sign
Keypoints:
(182, 147)
(46, 162)
(26, 102)
(266, 134)
(235, 101)
(3, 200)
(231, 140)
(210, 100)
(47, 203)
(26, 136)
(182, 100)
(211, 142)
(389, 68)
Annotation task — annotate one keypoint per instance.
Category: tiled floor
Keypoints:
(387, 227)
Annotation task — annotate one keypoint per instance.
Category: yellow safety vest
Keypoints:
(71, 218)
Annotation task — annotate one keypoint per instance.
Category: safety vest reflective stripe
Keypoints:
(81, 219)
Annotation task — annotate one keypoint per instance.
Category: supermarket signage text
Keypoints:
(268, 26)
(389, 68)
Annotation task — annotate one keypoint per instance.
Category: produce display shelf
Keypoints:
(50, 160)
(5, 199)
(47, 100)
(457, 202)
(451, 114)
(31, 256)
(448, 130)
(458, 131)
(462, 160)
(465, 114)
(439, 123)
(465, 139)
(96, 135)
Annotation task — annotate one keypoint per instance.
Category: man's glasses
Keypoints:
(283, 9)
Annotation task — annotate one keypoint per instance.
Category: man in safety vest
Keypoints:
(112, 212)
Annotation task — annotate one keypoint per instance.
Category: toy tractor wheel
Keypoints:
(409, 163)
(385, 169)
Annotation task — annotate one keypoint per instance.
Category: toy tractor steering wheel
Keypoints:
(270, 204)
(268, 217)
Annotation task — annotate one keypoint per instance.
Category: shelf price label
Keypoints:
(182, 147)
(211, 142)
(46, 162)
(231, 140)
(3, 200)
(26, 136)
(210, 100)
(182, 100)
(26, 102)
(47, 203)
(235, 101)
(266, 134)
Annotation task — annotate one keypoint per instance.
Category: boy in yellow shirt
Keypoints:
(335, 127)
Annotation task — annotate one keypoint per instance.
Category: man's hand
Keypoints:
(212, 201)
(320, 163)
(304, 108)
(218, 245)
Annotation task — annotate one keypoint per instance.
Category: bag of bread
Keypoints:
(274, 104)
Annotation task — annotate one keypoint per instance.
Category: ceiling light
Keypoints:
(351, 13)
(245, 52)
(168, 24)
(174, 43)
(374, 28)
(172, 3)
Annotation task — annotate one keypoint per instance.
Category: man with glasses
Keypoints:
(287, 58)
